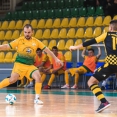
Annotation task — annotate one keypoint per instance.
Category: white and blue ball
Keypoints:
(10, 99)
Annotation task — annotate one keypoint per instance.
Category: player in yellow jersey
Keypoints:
(26, 47)
(110, 66)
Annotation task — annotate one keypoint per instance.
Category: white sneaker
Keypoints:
(65, 87)
(30, 85)
(74, 87)
(38, 101)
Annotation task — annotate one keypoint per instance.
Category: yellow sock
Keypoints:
(51, 79)
(4, 83)
(22, 81)
(43, 78)
(76, 78)
(38, 88)
(27, 81)
(66, 78)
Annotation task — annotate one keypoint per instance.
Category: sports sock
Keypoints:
(66, 78)
(51, 79)
(98, 93)
(43, 78)
(76, 78)
(4, 83)
(38, 89)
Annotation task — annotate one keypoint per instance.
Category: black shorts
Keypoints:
(105, 71)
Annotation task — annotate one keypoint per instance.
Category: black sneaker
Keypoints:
(103, 106)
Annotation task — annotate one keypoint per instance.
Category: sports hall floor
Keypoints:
(57, 103)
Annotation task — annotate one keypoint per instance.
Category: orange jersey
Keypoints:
(43, 58)
(90, 62)
(61, 57)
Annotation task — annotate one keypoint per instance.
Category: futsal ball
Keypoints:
(10, 99)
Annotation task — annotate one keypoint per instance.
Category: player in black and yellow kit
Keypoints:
(26, 47)
(110, 66)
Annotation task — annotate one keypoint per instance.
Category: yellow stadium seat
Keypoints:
(0, 24)
(68, 44)
(71, 33)
(8, 57)
(78, 42)
(106, 21)
(4, 25)
(19, 24)
(8, 35)
(68, 56)
(41, 23)
(4, 42)
(14, 56)
(106, 29)
(46, 34)
(98, 21)
(51, 44)
(88, 33)
(88, 47)
(11, 25)
(22, 33)
(26, 22)
(115, 17)
(81, 22)
(97, 32)
(2, 34)
(54, 34)
(79, 33)
(48, 23)
(38, 34)
(64, 22)
(72, 22)
(89, 21)
(34, 23)
(2, 55)
(56, 23)
(45, 42)
(15, 35)
(61, 45)
(63, 33)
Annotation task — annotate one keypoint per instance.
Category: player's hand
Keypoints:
(72, 48)
(54, 71)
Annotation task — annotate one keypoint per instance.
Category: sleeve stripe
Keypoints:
(10, 46)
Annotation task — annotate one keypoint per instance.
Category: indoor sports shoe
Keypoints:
(47, 87)
(65, 87)
(74, 87)
(103, 106)
(38, 101)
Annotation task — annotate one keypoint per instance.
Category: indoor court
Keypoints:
(57, 103)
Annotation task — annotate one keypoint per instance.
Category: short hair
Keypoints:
(38, 49)
(114, 24)
(91, 50)
(54, 47)
(28, 25)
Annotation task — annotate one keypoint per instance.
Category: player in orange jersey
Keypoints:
(26, 47)
(89, 65)
(55, 69)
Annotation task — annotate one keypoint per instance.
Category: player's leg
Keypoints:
(21, 84)
(43, 77)
(7, 81)
(101, 74)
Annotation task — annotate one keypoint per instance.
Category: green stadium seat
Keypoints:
(53, 4)
(76, 3)
(22, 15)
(68, 3)
(74, 12)
(61, 3)
(25, 6)
(43, 14)
(58, 13)
(39, 5)
(46, 4)
(82, 11)
(81, 2)
(29, 15)
(36, 14)
(99, 11)
(8, 16)
(90, 11)
(15, 15)
(51, 13)
(32, 5)
(66, 12)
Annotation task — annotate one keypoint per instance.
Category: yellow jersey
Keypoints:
(26, 49)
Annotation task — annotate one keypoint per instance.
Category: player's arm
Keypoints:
(99, 52)
(90, 42)
(83, 52)
(5, 47)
